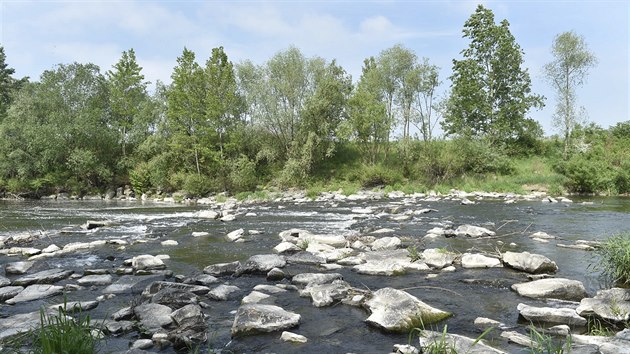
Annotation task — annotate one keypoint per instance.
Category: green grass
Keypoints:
(443, 344)
(545, 344)
(614, 259)
(260, 195)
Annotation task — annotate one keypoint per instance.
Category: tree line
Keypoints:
(220, 126)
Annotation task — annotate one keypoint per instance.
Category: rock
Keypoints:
(169, 243)
(475, 260)
(156, 286)
(554, 288)
(93, 224)
(438, 258)
(21, 323)
(205, 279)
(261, 264)
(315, 278)
(275, 274)
(125, 313)
(466, 201)
(200, 233)
(473, 231)
(304, 257)
(188, 313)
(4, 281)
(388, 262)
(8, 292)
(363, 211)
(405, 349)
(48, 276)
(542, 235)
(35, 292)
(74, 306)
(131, 284)
(222, 269)
(456, 343)
(229, 217)
(17, 268)
(351, 261)
(517, 338)
(528, 262)
(222, 292)
(550, 315)
(386, 243)
(147, 262)
(256, 318)
(293, 338)
(153, 316)
(326, 294)
(581, 247)
(397, 311)
(235, 235)
(612, 305)
(255, 297)
(208, 214)
(269, 289)
(118, 327)
(382, 231)
(482, 323)
(286, 247)
(88, 280)
(142, 344)
(173, 297)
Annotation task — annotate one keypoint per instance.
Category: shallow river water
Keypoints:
(339, 328)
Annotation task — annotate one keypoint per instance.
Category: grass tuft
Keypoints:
(614, 262)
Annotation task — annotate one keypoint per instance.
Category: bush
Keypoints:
(242, 175)
(614, 262)
(193, 184)
(379, 175)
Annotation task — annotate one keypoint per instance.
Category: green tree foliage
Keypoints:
(8, 84)
(491, 92)
(568, 70)
(57, 132)
(368, 122)
(128, 97)
(298, 103)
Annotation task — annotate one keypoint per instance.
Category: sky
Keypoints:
(37, 35)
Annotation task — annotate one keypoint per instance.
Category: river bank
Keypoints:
(352, 246)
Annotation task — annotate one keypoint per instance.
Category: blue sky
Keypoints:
(39, 34)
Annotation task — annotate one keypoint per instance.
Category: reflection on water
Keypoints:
(340, 328)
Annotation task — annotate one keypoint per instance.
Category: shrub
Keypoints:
(379, 175)
(242, 175)
(614, 262)
(196, 185)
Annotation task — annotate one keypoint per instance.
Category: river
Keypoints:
(339, 328)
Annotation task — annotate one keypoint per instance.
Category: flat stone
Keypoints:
(131, 283)
(304, 257)
(326, 294)
(552, 288)
(142, 344)
(8, 292)
(257, 318)
(169, 243)
(48, 276)
(208, 214)
(21, 323)
(205, 279)
(18, 268)
(222, 269)
(269, 289)
(473, 231)
(88, 280)
(475, 260)
(153, 316)
(156, 286)
(457, 343)
(398, 311)
(275, 274)
(4, 281)
(315, 278)
(261, 264)
(612, 305)
(235, 235)
(188, 313)
(550, 315)
(118, 327)
(255, 297)
(74, 306)
(222, 292)
(293, 338)
(438, 258)
(528, 262)
(286, 247)
(35, 292)
(386, 243)
(147, 262)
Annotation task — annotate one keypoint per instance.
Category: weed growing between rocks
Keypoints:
(614, 259)
(542, 343)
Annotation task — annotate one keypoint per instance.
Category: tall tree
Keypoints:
(187, 111)
(568, 70)
(490, 91)
(8, 84)
(368, 120)
(127, 94)
(224, 104)
(425, 104)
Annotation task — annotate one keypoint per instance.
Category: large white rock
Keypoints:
(438, 258)
(326, 294)
(261, 264)
(18, 267)
(315, 278)
(397, 311)
(473, 231)
(457, 343)
(235, 235)
(552, 288)
(528, 262)
(476, 260)
(293, 338)
(48, 276)
(386, 243)
(256, 318)
(147, 262)
(612, 305)
(208, 214)
(153, 316)
(550, 315)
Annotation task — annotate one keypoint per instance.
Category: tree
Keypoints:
(8, 84)
(368, 119)
(490, 91)
(187, 110)
(127, 95)
(568, 70)
(425, 105)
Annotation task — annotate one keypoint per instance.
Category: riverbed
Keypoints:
(338, 328)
